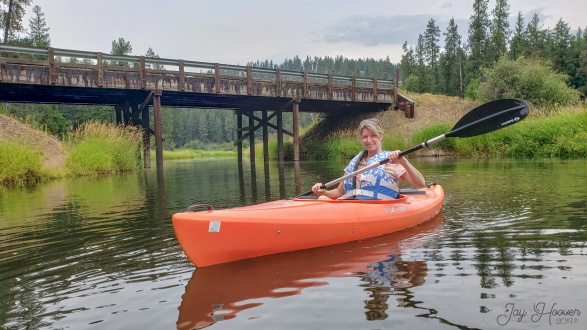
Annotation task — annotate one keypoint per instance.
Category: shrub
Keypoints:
(97, 147)
(19, 163)
(528, 80)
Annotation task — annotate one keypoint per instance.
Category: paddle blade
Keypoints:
(489, 117)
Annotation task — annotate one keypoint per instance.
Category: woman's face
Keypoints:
(371, 141)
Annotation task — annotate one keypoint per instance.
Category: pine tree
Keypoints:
(408, 62)
(519, 43)
(11, 20)
(560, 48)
(121, 47)
(38, 30)
(478, 39)
(449, 67)
(578, 60)
(536, 38)
(431, 53)
(414, 82)
(151, 54)
(500, 31)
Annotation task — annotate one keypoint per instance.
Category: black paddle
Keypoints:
(485, 118)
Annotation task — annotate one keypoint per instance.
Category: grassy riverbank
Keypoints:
(98, 148)
(558, 132)
(29, 155)
(192, 153)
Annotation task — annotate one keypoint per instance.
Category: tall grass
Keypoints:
(97, 148)
(19, 163)
(191, 153)
(562, 136)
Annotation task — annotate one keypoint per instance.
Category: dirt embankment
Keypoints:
(51, 149)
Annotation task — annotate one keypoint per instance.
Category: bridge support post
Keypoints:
(265, 138)
(158, 128)
(146, 137)
(280, 151)
(296, 134)
(239, 135)
(252, 136)
(118, 111)
(126, 114)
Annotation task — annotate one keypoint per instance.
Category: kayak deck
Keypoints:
(218, 236)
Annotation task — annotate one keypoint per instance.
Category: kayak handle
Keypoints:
(208, 207)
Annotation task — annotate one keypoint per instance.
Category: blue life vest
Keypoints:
(374, 183)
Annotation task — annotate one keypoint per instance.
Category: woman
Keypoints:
(380, 182)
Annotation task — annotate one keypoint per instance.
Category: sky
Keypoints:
(240, 31)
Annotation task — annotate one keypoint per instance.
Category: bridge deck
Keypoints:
(108, 79)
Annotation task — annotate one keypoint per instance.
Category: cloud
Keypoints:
(372, 31)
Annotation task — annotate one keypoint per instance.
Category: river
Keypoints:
(507, 251)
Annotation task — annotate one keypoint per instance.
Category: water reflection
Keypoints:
(79, 251)
(255, 184)
(220, 292)
(392, 276)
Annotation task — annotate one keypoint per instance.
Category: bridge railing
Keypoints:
(98, 70)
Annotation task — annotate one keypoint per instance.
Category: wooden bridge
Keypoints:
(132, 85)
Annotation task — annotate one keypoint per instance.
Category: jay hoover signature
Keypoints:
(553, 313)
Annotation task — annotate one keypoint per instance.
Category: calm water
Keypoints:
(507, 252)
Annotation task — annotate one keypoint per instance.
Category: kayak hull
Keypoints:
(218, 236)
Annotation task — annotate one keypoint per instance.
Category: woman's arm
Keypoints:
(411, 175)
(332, 194)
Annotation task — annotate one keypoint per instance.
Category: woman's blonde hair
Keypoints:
(371, 124)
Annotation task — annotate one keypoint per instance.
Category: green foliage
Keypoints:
(488, 41)
(191, 154)
(11, 18)
(199, 145)
(53, 120)
(525, 79)
(342, 148)
(19, 163)
(433, 131)
(97, 148)
(38, 30)
(412, 84)
(472, 87)
(120, 47)
(478, 38)
(339, 65)
(335, 148)
(561, 136)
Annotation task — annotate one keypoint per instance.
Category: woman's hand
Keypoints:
(394, 157)
(317, 190)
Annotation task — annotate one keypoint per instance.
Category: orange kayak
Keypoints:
(217, 236)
